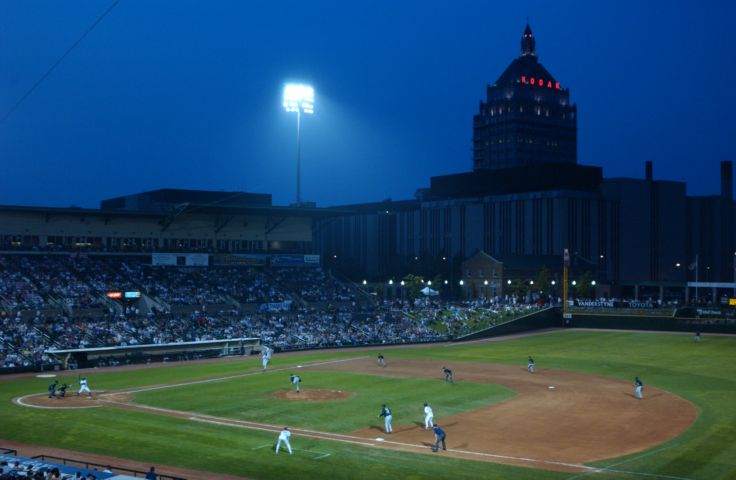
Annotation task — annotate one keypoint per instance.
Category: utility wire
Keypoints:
(57, 62)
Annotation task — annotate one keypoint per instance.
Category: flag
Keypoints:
(693, 265)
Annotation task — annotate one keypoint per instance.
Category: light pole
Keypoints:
(298, 98)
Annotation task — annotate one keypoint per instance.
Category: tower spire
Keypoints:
(528, 45)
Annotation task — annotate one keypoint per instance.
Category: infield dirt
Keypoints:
(583, 419)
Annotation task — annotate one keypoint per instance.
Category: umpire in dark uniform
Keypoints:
(439, 436)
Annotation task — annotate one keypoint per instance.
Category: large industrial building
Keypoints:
(527, 199)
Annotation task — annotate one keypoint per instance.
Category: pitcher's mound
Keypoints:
(312, 394)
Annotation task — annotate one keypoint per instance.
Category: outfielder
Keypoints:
(530, 365)
(386, 414)
(639, 388)
(296, 380)
(284, 438)
(83, 387)
(428, 416)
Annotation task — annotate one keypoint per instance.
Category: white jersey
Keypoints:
(428, 411)
(284, 435)
(295, 379)
(83, 388)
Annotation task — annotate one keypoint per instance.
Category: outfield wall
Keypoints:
(643, 322)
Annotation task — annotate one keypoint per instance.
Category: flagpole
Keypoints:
(697, 270)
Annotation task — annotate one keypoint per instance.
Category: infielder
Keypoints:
(265, 357)
(530, 365)
(386, 414)
(284, 438)
(639, 388)
(448, 375)
(296, 380)
(83, 387)
(428, 416)
(381, 360)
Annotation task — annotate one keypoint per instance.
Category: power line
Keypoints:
(57, 62)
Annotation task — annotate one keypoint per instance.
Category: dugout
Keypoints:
(162, 352)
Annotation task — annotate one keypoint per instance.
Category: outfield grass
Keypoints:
(703, 373)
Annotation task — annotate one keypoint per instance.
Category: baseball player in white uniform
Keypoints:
(284, 438)
(265, 356)
(428, 416)
(83, 387)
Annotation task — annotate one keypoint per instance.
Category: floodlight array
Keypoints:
(298, 97)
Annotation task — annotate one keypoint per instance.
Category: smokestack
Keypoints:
(649, 171)
(727, 180)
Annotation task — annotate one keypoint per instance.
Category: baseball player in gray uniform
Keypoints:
(296, 380)
(639, 388)
(386, 414)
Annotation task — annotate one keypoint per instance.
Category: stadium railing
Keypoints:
(92, 465)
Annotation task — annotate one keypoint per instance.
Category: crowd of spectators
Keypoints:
(59, 302)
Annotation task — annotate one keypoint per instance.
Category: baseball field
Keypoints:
(576, 417)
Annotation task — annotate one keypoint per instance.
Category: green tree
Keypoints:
(413, 284)
(585, 287)
(542, 281)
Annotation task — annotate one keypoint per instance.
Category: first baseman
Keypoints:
(428, 416)
(386, 414)
(284, 438)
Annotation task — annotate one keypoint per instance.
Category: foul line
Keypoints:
(240, 375)
(629, 460)
(366, 442)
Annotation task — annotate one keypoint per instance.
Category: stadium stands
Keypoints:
(61, 302)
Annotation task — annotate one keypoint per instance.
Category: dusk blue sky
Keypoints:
(187, 94)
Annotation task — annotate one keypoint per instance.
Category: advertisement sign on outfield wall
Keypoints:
(180, 259)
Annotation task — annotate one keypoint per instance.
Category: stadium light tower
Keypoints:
(298, 98)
